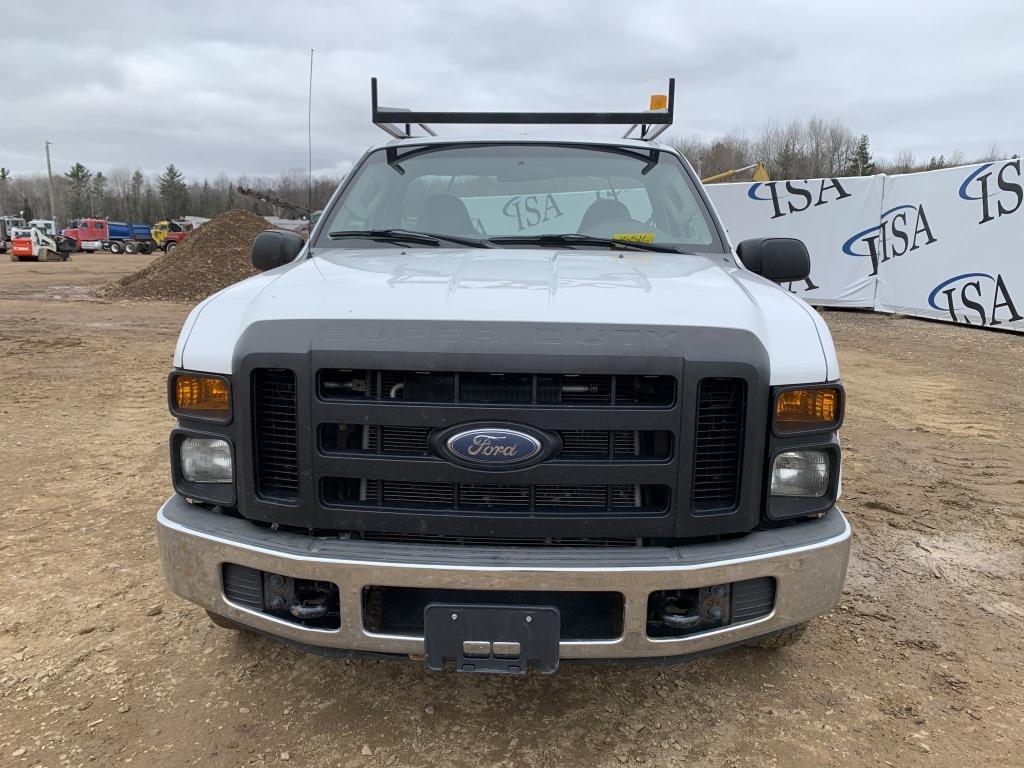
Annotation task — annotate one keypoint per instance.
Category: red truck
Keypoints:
(95, 234)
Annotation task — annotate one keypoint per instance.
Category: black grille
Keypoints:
(582, 615)
(719, 444)
(490, 496)
(502, 541)
(396, 493)
(560, 500)
(585, 497)
(752, 598)
(243, 585)
(584, 443)
(274, 421)
(624, 390)
(576, 444)
(401, 440)
(372, 464)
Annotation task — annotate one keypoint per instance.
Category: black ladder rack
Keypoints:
(399, 122)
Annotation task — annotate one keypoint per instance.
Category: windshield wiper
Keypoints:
(407, 236)
(571, 238)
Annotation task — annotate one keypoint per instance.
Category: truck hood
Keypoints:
(556, 286)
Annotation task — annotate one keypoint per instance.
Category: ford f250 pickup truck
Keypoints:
(516, 402)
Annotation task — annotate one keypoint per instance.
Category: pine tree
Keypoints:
(135, 195)
(861, 163)
(98, 194)
(206, 204)
(79, 176)
(26, 210)
(148, 210)
(173, 192)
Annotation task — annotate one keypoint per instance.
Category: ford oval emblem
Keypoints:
(494, 446)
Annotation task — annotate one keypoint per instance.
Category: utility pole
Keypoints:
(49, 184)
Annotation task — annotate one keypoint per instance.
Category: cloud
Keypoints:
(222, 87)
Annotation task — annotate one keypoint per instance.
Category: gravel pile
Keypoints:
(213, 257)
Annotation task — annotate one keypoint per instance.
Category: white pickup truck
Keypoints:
(516, 402)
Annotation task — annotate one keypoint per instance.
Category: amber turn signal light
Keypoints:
(201, 396)
(808, 409)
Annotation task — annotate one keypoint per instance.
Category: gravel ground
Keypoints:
(921, 663)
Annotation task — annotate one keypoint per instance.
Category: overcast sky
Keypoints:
(210, 89)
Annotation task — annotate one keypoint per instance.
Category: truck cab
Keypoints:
(516, 402)
(87, 234)
(46, 226)
(7, 225)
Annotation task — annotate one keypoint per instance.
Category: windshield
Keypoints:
(508, 191)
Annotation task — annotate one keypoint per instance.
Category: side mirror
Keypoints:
(274, 248)
(781, 259)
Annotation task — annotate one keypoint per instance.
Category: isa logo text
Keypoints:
(900, 230)
(788, 197)
(998, 192)
(975, 298)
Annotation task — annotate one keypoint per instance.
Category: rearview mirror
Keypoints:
(274, 247)
(781, 259)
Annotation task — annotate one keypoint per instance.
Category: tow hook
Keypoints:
(680, 612)
(308, 610)
(680, 620)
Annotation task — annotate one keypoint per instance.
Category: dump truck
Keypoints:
(517, 402)
(93, 234)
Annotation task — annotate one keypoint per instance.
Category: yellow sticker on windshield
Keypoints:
(634, 237)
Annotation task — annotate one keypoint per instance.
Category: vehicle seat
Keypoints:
(445, 215)
(603, 211)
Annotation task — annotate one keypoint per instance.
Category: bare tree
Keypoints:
(120, 187)
(992, 153)
(904, 162)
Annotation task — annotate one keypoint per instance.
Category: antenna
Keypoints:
(309, 133)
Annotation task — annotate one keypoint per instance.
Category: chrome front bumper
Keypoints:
(807, 560)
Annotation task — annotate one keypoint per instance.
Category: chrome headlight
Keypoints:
(801, 473)
(206, 460)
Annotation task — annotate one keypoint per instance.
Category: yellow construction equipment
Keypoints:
(760, 174)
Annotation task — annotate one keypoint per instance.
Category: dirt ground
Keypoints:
(922, 663)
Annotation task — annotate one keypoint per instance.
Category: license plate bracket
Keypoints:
(492, 639)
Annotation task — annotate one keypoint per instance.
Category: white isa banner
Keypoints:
(832, 216)
(950, 245)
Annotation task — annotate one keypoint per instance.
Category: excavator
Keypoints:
(266, 197)
(760, 173)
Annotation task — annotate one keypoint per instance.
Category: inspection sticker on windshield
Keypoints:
(634, 237)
